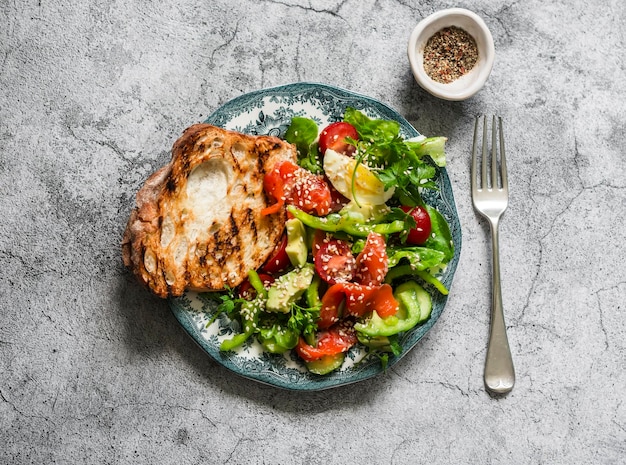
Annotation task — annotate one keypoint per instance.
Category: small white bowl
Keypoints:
(471, 82)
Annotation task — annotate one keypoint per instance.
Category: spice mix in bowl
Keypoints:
(451, 53)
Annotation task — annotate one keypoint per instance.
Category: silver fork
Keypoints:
(490, 195)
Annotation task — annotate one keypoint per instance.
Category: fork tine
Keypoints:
(485, 185)
(503, 171)
(474, 155)
(494, 153)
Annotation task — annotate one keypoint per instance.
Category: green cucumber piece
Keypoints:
(326, 364)
(415, 308)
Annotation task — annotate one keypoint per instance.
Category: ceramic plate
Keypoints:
(269, 111)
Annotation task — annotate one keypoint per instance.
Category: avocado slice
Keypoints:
(297, 250)
(288, 288)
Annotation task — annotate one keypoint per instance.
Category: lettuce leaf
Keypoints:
(405, 165)
(303, 133)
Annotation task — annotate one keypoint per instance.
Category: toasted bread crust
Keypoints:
(197, 224)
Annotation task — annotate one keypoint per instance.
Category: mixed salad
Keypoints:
(362, 249)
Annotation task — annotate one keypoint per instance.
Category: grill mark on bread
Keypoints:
(250, 221)
(235, 162)
(259, 158)
(235, 242)
(233, 225)
(202, 259)
(218, 256)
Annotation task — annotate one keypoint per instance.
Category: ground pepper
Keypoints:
(449, 54)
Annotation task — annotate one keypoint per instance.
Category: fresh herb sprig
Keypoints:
(227, 302)
(398, 163)
(304, 320)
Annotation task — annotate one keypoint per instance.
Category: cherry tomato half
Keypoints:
(334, 261)
(423, 226)
(308, 192)
(333, 137)
(279, 260)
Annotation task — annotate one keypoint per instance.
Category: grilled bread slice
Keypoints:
(197, 224)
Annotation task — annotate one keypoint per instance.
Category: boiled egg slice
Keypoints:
(366, 189)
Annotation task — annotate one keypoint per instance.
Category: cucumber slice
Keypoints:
(415, 308)
(326, 364)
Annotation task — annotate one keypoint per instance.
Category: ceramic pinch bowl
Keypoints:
(473, 80)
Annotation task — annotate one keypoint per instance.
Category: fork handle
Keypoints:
(499, 371)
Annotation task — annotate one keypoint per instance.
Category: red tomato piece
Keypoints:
(423, 226)
(372, 263)
(334, 136)
(279, 260)
(319, 237)
(334, 262)
(332, 341)
(246, 291)
(309, 193)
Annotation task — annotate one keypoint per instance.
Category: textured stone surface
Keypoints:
(95, 370)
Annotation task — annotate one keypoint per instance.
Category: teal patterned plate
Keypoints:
(269, 111)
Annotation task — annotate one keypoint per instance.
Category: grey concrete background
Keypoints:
(95, 370)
